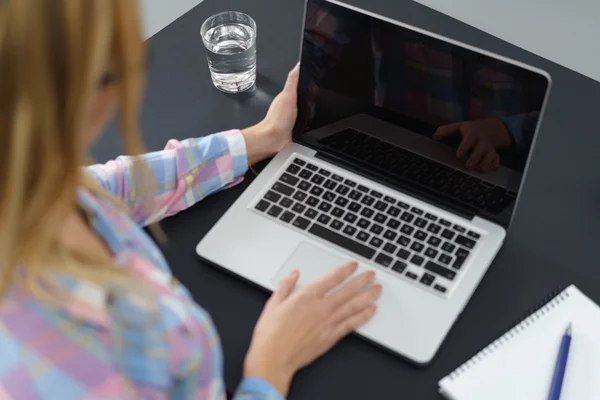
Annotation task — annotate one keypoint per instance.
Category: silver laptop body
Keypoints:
(363, 181)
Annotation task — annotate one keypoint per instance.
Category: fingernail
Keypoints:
(371, 275)
(372, 309)
(378, 289)
(295, 273)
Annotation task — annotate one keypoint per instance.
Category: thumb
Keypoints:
(285, 287)
(292, 79)
(447, 130)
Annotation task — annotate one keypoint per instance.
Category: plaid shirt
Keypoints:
(102, 344)
(427, 68)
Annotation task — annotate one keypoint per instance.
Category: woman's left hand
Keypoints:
(274, 132)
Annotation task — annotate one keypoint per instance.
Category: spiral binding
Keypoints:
(549, 302)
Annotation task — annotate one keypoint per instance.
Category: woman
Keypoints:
(88, 306)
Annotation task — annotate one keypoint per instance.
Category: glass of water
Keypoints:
(230, 41)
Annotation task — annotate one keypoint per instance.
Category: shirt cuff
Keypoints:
(237, 151)
(257, 388)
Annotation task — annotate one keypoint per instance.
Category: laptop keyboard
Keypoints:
(414, 244)
(421, 170)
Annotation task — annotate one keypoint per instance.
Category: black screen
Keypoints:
(483, 110)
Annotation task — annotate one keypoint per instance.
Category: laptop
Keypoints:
(367, 178)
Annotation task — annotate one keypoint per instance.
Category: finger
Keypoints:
(332, 279)
(497, 162)
(292, 79)
(285, 287)
(356, 303)
(351, 289)
(466, 145)
(488, 161)
(354, 322)
(447, 130)
(477, 155)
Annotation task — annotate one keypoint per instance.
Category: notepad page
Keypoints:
(521, 364)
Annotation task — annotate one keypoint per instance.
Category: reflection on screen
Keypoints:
(481, 110)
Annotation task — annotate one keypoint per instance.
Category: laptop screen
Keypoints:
(428, 116)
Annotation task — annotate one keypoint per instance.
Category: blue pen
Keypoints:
(561, 365)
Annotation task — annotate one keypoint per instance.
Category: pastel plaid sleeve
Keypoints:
(184, 173)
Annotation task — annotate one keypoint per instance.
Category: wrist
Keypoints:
(262, 368)
(260, 141)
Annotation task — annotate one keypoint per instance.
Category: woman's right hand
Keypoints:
(295, 329)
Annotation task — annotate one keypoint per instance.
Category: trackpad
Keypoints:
(313, 262)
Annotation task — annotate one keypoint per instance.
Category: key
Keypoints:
(363, 236)
(448, 234)
(286, 203)
(384, 259)
(283, 188)
(337, 178)
(341, 189)
(411, 275)
(390, 200)
(349, 217)
(330, 184)
(427, 279)
(354, 206)
(262, 205)
(434, 241)
(420, 235)
(390, 248)
(274, 211)
(376, 229)
(318, 179)
(407, 229)
(459, 229)
(300, 196)
(336, 224)
(393, 223)
(431, 217)
(289, 179)
(350, 230)
(363, 188)
(325, 206)
(433, 228)
(293, 169)
(381, 218)
(301, 223)
(417, 211)
(316, 191)
(299, 162)
(311, 213)
(445, 259)
(305, 174)
(312, 167)
(376, 242)
(368, 200)
(380, 205)
(329, 196)
(304, 186)
(376, 194)
(474, 235)
(272, 196)
(445, 223)
(312, 201)
(399, 266)
(287, 216)
(417, 260)
(448, 247)
(403, 241)
(465, 241)
(350, 183)
(337, 212)
(393, 211)
(341, 201)
(363, 223)
(390, 235)
(355, 195)
(441, 271)
(403, 254)
(440, 288)
(299, 208)
(407, 217)
(421, 223)
(416, 246)
(403, 205)
(324, 172)
(431, 253)
(367, 212)
(324, 219)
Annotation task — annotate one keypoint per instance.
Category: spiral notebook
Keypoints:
(519, 365)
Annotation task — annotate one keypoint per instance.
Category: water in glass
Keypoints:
(231, 53)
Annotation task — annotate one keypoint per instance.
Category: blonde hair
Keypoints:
(52, 53)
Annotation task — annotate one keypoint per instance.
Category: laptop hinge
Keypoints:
(393, 183)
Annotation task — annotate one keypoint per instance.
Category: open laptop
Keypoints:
(365, 180)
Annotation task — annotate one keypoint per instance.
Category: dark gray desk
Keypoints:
(553, 240)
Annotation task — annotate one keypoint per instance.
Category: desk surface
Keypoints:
(552, 241)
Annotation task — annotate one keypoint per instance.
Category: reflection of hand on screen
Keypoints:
(480, 141)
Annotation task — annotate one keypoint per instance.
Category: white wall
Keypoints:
(156, 14)
(564, 31)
